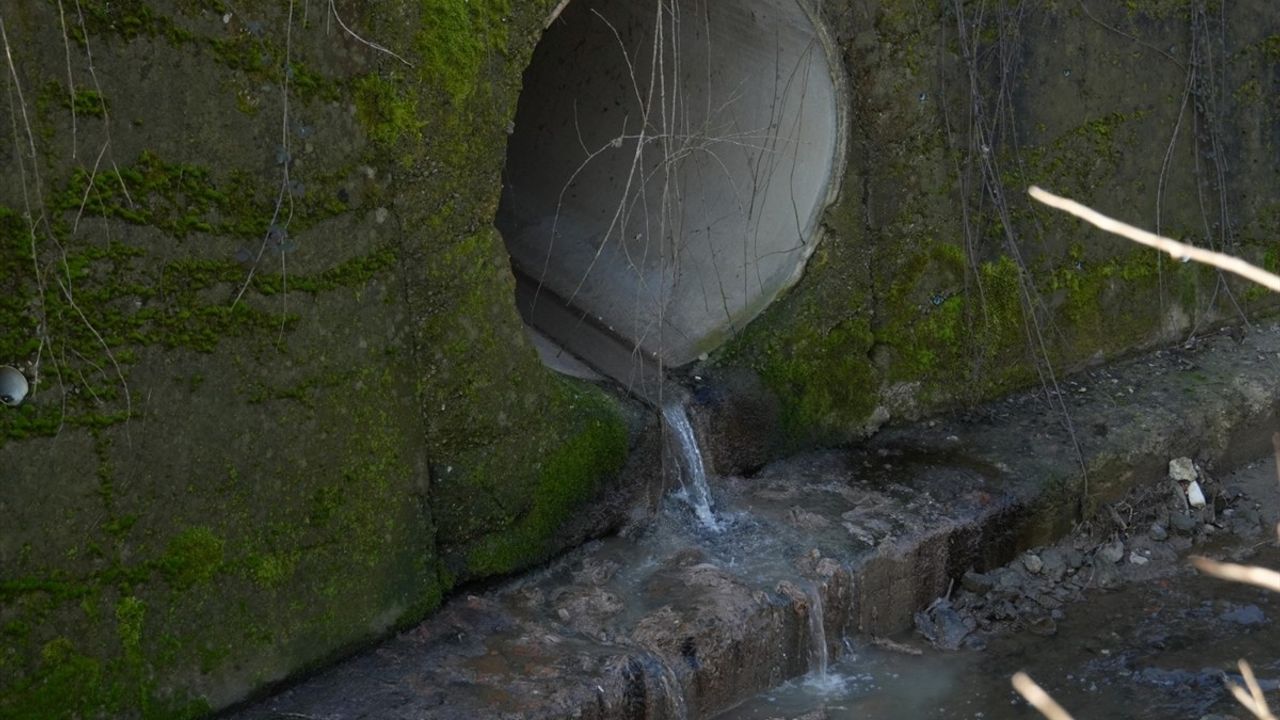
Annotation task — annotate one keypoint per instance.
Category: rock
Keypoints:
(1054, 565)
(1044, 626)
(1195, 496)
(806, 520)
(1111, 553)
(1106, 576)
(1158, 533)
(1136, 559)
(1009, 578)
(977, 583)
(1182, 523)
(1032, 563)
(1245, 615)
(826, 568)
(1048, 602)
(1073, 558)
(1183, 469)
(942, 626)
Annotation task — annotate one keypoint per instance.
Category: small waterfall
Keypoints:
(671, 690)
(818, 659)
(694, 475)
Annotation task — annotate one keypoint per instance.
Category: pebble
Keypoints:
(1137, 559)
(1158, 532)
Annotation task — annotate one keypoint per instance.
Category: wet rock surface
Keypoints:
(1158, 644)
(671, 620)
(1122, 543)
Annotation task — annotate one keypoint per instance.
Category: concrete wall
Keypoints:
(270, 426)
(266, 426)
(942, 283)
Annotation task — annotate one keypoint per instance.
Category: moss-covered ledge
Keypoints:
(285, 403)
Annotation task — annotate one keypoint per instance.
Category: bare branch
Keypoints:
(333, 9)
(1038, 698)
(1253, 700)
(1174, 248)
(1247, 574)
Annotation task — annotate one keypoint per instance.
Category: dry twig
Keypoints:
(1247, 574)
(1252, 700)
(1174, 248)
(1039, 699)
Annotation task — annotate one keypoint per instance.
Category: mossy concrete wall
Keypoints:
(940, 282)
(284, 401)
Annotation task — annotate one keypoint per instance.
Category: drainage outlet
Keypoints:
(667, 171)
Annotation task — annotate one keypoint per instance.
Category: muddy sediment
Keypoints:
(671, 620)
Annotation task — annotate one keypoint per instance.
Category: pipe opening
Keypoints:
(667, 171)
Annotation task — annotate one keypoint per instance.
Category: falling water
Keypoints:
(696, 489)
(817, 638)
(672, 690)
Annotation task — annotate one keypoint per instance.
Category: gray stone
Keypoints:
(977, 583)
(1182, 523)
(1074, 558)
(1106, 576)
(1054, 564)
(1111, 553)
(1009, 579)
(1245, 615)
(1158, 532)
(1183, 469)
(942, 626)
(1032, 563)
(1044, 626)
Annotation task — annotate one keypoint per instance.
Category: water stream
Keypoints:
(694, 488)
(1148, 651)
(818, 660)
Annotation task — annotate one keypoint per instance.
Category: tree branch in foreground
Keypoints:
(1178, 250)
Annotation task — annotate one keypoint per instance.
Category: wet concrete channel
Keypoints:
(672, 620)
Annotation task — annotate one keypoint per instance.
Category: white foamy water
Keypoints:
(694, 474)
(817, 637)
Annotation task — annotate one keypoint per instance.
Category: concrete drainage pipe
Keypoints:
(667, 170)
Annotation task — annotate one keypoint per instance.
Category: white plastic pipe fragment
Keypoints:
(1195, 496)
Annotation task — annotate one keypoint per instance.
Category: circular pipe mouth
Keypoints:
(13, 386)
(669, 166)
